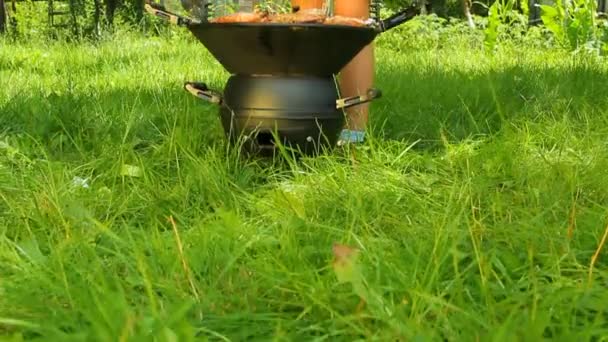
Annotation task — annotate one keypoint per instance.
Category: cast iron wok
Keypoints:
(305, 49)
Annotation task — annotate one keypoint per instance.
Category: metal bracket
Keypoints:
(201, 91)
(160, 11)
(347, 102)
(399, 17)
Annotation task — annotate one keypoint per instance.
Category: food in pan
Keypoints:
(341, 20)
(241, 17)
(309, 16)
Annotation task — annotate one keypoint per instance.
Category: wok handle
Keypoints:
(400, 17)
(352, 101)
(201, 91)
(160, 11)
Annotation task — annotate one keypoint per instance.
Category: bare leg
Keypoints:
(358, 75)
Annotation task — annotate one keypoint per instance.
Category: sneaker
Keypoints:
(348, 136)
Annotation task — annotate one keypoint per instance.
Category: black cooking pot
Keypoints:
(284, 49)
(301, 112)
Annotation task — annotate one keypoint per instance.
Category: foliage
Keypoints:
(442, 8)
(274, 6)
(430, 32)
(574, 25)
(475, 195)
(476, 205)
(397, 4)
(91, 20)
(571, 24)
(499, 14)
(505, 24)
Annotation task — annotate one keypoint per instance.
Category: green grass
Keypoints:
(477, 168)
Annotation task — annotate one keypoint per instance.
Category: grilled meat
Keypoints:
(242, 17)
(340, 20)
(309, 16)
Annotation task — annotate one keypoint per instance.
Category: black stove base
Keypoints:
(298, 112)
(263, 113)
(302, 114)
(269, 136)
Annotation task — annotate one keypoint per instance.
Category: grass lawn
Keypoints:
(477, 205)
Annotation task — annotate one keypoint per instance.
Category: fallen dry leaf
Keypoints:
(345, 263)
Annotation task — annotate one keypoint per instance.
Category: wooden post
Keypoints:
(246, 5)
(534, 13)
(3, 17)
(602, 8)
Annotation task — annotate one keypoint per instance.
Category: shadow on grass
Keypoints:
(92, 122)
(420, 104)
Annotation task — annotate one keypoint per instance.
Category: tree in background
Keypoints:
(447, 8)
(3, 17)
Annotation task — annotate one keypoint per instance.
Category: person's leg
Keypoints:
(358, 75)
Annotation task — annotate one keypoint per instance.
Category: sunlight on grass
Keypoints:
(476, 205)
